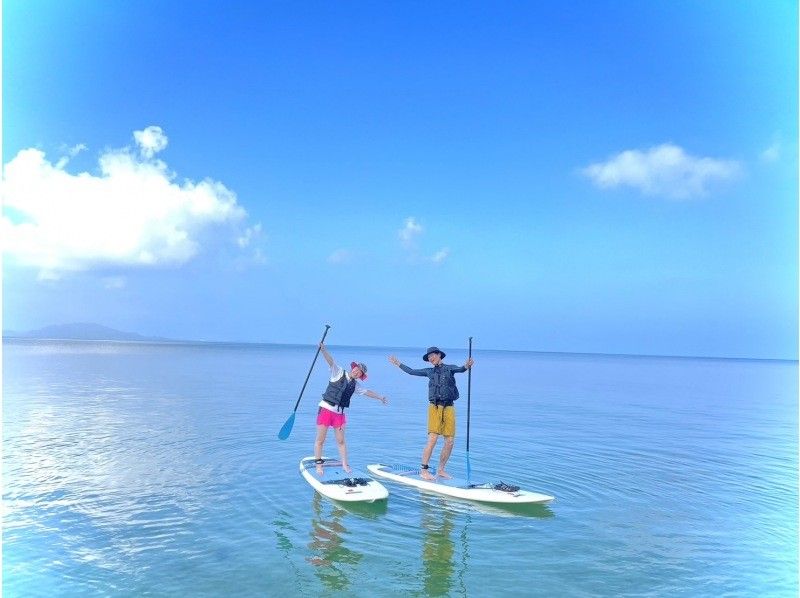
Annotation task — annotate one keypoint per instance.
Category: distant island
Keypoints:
(80, 331)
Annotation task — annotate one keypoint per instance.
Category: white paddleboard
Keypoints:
(490, 492)
(337, 484)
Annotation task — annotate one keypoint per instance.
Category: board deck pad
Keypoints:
(477, 490)
(337, 484)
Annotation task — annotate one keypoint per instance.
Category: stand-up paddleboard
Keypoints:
(491, 492)
(337, 484)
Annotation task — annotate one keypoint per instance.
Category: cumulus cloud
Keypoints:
(440, 256)
(665, 170)
(132, 213)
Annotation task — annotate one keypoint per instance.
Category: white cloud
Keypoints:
(665, 170)
(151, 140)
(410, 231)
(132, 213)
(409, 234)
(340, 256)
(69, 153)
(259, 257)
(772, 153)
(440, 256)
(249, 236)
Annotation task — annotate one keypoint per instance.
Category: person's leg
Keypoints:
(449, 441)
(449, 432)
(322, 431)
(340, 442)
(426, 456)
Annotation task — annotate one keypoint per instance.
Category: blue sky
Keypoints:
(612, 177)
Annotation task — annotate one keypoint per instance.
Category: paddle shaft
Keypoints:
(302, 390)
(469, 391)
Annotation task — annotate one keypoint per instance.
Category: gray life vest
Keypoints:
(339, 392)
(442, 389)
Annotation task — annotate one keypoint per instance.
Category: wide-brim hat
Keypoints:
(361, 366)
(433, 350)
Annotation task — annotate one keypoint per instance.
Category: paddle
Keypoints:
(287, 427)
(469, 393)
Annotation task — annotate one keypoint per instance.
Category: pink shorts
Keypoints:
(326, 417)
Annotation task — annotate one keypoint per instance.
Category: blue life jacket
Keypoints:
(339, 392)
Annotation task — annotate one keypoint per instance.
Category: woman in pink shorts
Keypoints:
(336, 398)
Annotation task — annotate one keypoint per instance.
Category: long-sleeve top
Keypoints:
(442, 388)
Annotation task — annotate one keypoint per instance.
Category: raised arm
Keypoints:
(326, 355)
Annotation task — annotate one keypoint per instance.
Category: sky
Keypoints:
(600, 177)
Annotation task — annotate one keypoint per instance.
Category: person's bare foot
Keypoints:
(319, 469)
(426, 475)
(346, 468)
(444, 475)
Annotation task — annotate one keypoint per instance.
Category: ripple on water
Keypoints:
(160, 473)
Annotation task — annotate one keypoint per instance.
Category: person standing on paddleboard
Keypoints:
(442, 392)
(341, 386)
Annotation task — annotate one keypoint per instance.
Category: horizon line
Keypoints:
(167, 341)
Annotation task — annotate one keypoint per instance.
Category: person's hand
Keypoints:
(322, 346)
(469, 363)
(394, 360)
(383, 400)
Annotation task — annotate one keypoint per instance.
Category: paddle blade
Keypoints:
(287, 427)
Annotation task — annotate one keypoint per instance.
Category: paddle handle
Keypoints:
(324, 334)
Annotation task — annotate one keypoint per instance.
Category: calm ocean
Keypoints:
(134, 469)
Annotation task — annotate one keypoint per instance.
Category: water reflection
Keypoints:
(367, 510)
(443, 573)
(533, 510)
(331, 556)
(438, 547)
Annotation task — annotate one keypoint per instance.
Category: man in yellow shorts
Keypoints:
(442, 392)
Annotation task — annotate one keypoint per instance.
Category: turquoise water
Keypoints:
(154, 469)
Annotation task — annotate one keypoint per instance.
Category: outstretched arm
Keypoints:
(375, 395)
(406, 369)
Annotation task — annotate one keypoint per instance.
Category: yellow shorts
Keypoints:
(441, 420)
